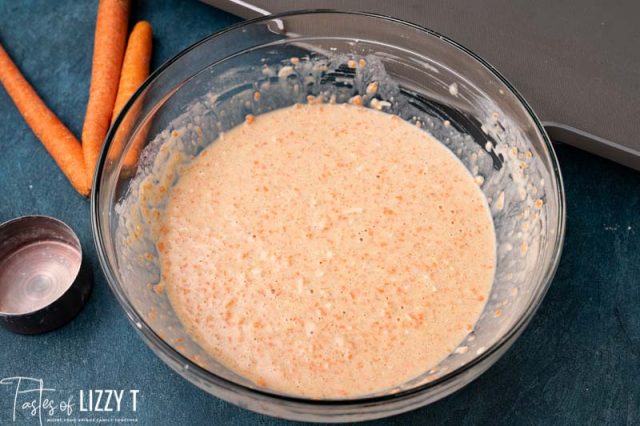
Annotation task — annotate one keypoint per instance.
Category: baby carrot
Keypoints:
(108, 53)
(56, 138)
(135, 69)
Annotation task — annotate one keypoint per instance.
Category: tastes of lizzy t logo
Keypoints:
(33, 402)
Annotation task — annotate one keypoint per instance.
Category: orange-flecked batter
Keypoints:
(327, 251)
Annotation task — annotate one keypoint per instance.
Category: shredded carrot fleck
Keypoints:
(158, 288)
(356, 100)
(372, 88)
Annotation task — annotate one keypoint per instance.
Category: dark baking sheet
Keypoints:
(577, 62)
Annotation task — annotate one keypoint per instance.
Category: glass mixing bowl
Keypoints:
(330, 56)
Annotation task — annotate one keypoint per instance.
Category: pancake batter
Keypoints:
(327, 251)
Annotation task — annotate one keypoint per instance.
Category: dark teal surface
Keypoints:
(577, 363)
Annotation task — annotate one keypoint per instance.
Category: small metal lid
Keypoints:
(44, 280)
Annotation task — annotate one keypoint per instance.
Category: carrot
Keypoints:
(108, 53)
(135, 69)
(56, 138)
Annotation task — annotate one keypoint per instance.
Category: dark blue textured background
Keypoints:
(577, 363)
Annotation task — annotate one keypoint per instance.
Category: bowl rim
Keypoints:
(163, 349)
